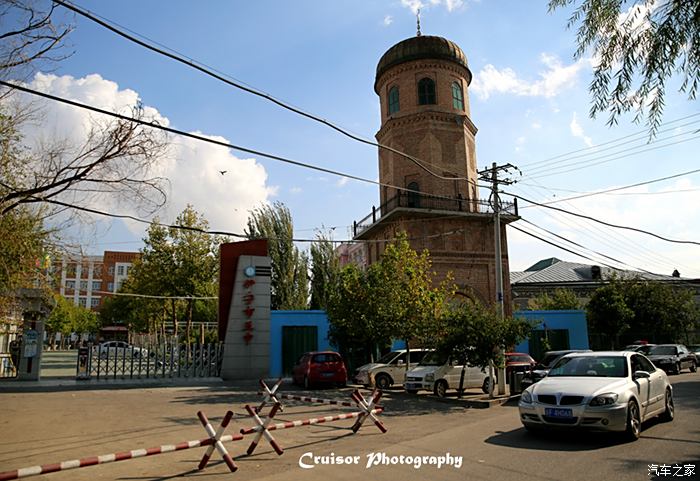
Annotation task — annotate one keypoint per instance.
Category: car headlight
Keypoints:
(526, 397)
(604, 399)
(430, 377)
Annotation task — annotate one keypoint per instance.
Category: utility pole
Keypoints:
(492, 175)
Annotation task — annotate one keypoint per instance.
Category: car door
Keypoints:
(686, 358)
(644, 385)
(396, 369)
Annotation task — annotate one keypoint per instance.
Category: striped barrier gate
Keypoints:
(271, 396)
(214, 441)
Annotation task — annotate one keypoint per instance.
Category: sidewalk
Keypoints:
(72, 384)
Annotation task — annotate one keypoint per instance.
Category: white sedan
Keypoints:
(603, 391)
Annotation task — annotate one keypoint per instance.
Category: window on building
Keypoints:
(426, 91)
(120, 270)
(96, 285)
(82, 301)
(413, 194)
(97, 272)
(457, 97)
(94, 302)
(110, 286)
(70, 270)
(83, 285)
(393, 100)
(110, 271)
(70, 284)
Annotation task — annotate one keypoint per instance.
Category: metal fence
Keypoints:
(165, 360)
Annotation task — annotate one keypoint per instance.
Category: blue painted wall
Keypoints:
(294, 318)
(574, 321)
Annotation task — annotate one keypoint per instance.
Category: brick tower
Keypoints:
(423, 87)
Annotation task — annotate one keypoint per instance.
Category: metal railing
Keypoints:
(166, 360)
(413, 200)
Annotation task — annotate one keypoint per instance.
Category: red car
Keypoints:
(324, 367)
(518, 362)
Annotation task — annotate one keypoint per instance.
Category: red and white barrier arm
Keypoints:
(307, 422)
(111, 458)
(331, 402)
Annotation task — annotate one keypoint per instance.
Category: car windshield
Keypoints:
(694, 347)
(590, 366)
(433, 359)
(388, 357)
(519, 359)
(663, 351)
(549, 359)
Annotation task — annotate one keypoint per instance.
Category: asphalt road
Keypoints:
(47, 427)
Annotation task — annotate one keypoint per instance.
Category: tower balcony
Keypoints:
(422, 205)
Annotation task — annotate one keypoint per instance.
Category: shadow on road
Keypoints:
(555, 440)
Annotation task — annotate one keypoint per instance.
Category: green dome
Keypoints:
(422, 47)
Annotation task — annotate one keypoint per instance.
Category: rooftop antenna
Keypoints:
(418, 23)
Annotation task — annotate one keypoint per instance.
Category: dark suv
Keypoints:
(672, 358)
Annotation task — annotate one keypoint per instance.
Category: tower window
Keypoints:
(457, 97)
(426, 91)
(393, 100)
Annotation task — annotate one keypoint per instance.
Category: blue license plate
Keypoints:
(558, 412)
(327, 374)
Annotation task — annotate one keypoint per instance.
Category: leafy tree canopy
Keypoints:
(559, 299)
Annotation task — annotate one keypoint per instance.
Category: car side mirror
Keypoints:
(641, 375)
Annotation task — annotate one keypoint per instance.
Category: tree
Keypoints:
(559, 299)
(66, 318)
(637, 52)
(289, 284)
(608, 313)
(179, 261)
(324, 270)
(472, 333)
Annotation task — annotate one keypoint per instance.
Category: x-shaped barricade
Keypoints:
(269, 394)
(218, 439)
(367, 407)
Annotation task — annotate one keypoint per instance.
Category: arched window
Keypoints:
(413, 194)
(426, 91)
(457, 97)
(393, 100)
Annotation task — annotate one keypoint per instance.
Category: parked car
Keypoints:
(603, 391)
(640, 348)
(118, 349)
(541, 369)
(439, 373)
(673, 358)
(695, 349)
(519, 362)
(389, 370)
(320, 367)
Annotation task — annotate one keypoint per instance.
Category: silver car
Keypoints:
(603, 391)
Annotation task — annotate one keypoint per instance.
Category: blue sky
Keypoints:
(529, 101)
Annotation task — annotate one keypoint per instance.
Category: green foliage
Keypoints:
(636, 52)
(67, 318)
(174, 262)
(607, 311)
(324, 270)
(559, 299)
(474, 333)
(290, 284)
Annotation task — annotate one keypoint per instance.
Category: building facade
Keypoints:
(87, 280)
(423, 87)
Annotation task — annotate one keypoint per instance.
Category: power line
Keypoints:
(198, 66)
(208, 140)
(675, 241)
(590, 194)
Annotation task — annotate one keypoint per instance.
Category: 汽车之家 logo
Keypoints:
(309, 460)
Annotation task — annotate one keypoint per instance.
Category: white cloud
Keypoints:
(577, 131)
(551, 82)
(296, 190)
(342, 181)
(414, 5)
(536, 125)
(192, 167)
(388, 20)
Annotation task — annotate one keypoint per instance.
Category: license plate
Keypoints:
(327, 374)
(558, 412)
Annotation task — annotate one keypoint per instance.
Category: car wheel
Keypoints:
(677, 369)
(486, 386)
(412, 391)
(693, 367)
(634, 421)
(668, 414)
(441, 388)
(382, 381)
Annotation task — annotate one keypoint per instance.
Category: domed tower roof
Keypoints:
(422, 47)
